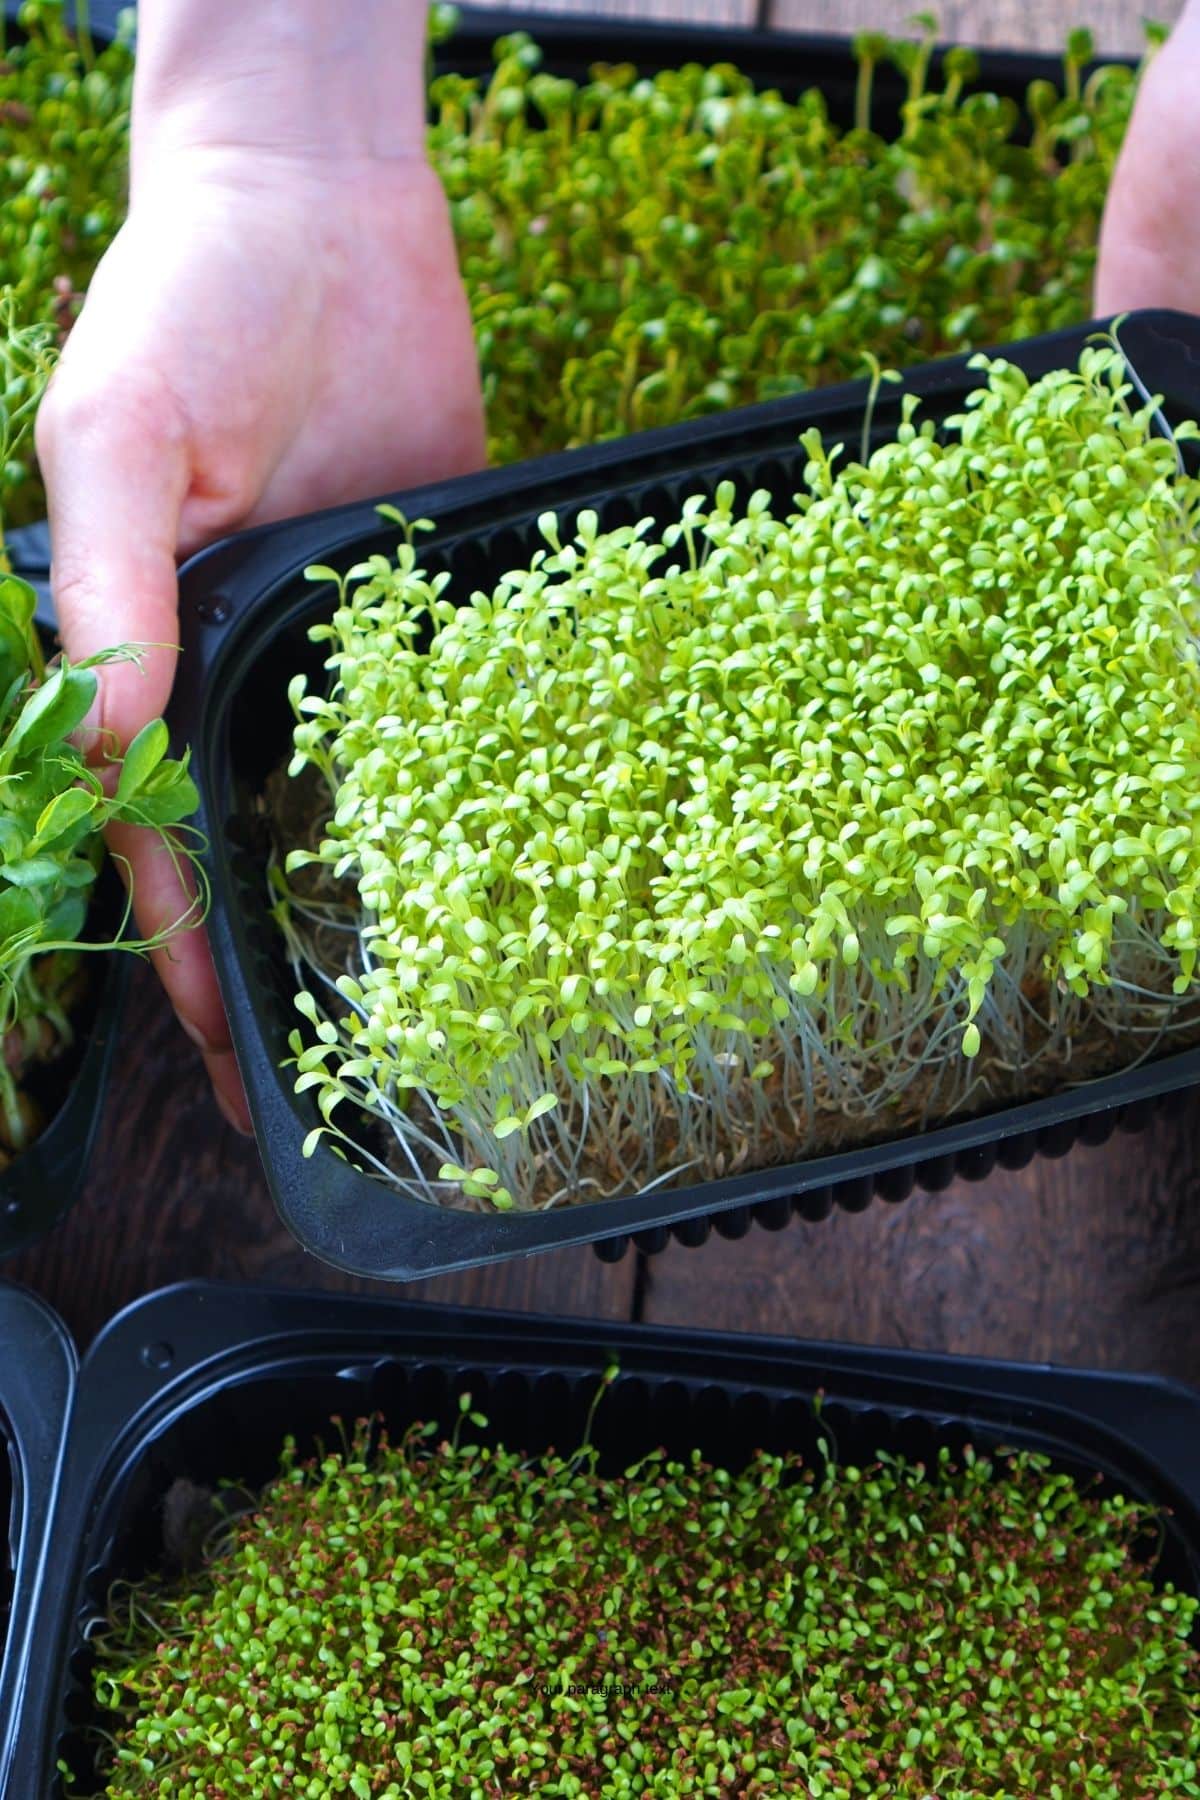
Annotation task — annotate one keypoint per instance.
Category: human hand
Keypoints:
(279, 326)
(1150, 237)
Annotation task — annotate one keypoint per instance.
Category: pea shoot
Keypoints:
(641, 250)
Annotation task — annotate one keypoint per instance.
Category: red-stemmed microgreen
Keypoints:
(450, 1618)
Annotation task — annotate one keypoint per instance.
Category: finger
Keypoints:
(114, 455)
(1148, 254)
(1145, 258)
(164, 902)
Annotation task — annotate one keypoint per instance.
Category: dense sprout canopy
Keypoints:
(642, 249)
(415, 1620)
(908, 769)
(64, 154)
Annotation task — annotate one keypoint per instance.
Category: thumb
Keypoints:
(114, 456)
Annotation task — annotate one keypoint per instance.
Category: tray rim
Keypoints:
(38, 1375)
(235, 595)
(126, 1401)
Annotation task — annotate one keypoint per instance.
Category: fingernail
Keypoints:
(197, 1037)
(231, 1117)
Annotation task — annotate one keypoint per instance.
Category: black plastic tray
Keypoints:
(44, 1181)
(203, 1382)
(788, 60)
(357, 1237)
(245, 608)
(37, 1379)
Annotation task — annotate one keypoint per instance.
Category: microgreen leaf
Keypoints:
(141, 759)
(67, 813)
(52, 711)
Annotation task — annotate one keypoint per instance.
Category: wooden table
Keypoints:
(1092, 1260)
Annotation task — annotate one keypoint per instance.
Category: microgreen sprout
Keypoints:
(448, 1619)
(691, 845)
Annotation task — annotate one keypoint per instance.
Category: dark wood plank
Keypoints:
(1092, 1260)
(1015, 24)
(174, 1194)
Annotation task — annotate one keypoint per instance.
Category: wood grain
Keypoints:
(175, 1194)
(1012, 24)
(1092, 1260)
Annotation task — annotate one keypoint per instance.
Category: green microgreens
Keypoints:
(64, 123)
(678, 841)
(458, 1620)
(53, 806)
(639, 251)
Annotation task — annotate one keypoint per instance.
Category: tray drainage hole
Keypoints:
(158, 1356)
